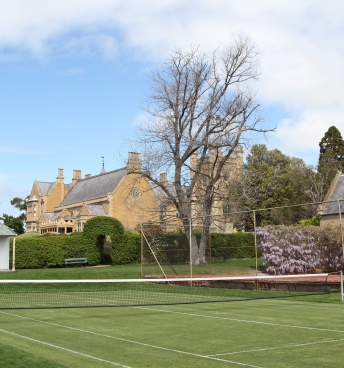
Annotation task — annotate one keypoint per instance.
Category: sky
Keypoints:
(74, 76)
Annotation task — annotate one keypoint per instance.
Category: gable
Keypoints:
(44, 188)
(337, 194)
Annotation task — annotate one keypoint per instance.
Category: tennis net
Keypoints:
(25, 294)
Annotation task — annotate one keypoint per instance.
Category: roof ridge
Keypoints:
(102, 174)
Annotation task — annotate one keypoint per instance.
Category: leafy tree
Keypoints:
(271, 179)
(19, 203)
(199, 104)
(14, 223)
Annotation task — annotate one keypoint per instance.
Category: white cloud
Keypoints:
(302, 51)
(300, 136)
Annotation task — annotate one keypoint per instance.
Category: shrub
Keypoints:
(228, 246)
(94, 233)
(128, 250)
(176, 250)
(43, 252)
(299, 249)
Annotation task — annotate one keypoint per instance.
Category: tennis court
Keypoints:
(243, 333)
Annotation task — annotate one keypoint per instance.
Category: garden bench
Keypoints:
(72, 261)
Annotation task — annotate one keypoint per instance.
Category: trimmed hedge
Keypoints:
(42, 252)
(175, 247)
(128, 250)
(237, 245)
(94, 233)
(50, 251)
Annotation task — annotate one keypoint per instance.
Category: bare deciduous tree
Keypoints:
(199, 105)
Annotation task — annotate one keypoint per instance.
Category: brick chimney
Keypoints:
(76, 176)
(134, 162)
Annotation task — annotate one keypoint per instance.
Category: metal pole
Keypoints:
(190, 224)
(341, 226)
(141, 251)
(255, 246)
(255, 241)
(210, 255)
(341, 285)
(14, 254)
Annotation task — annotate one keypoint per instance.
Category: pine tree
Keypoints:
(331, 158)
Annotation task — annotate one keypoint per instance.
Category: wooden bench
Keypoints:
(73, 261)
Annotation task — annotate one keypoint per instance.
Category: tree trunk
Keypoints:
(197, 251)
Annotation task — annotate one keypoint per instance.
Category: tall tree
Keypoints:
(199, 104)
(331, 158)
(19, 203)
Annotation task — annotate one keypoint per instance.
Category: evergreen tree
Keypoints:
(331, 149)
(331, 158)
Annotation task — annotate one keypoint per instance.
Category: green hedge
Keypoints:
(237, 245)
(50, 251)
(175, 247)
(95, 230)
(128, 250)
(42, 252)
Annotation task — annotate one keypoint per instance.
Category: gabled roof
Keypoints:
(52, 216)
(94, 187)
(337, 194)
(6, 231)
(44, 187)
(96, 209)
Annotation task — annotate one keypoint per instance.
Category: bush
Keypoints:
(300, 249)
(94, 233)
(42, 252)
(228, 246)
(128, 250)
(175, 247)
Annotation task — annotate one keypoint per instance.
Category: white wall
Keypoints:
(4, 252)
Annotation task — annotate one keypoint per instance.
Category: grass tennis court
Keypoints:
(296, 331)
(250, 333)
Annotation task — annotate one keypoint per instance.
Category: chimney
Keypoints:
(163, 180)
(76, 176)
(60, 177)
(87, 176)
(134, 162)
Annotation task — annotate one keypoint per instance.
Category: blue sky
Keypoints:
(74, 76)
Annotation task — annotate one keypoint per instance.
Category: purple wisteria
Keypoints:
(299, 249)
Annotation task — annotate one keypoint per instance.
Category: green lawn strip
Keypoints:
(133, 271)
(13, 357)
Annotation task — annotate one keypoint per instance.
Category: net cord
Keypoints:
(175, 279)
